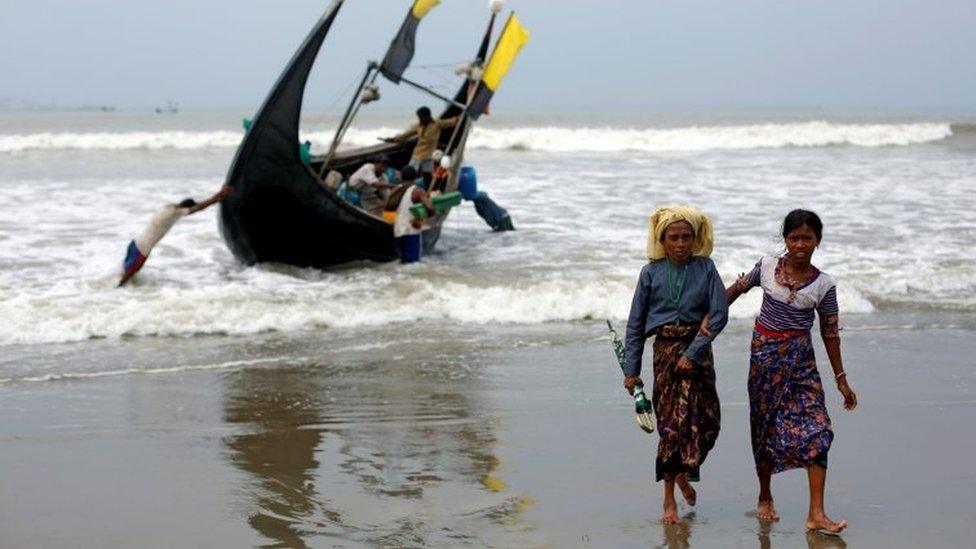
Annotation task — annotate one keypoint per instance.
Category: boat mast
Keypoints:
(373, 70)
(357, 101)
(351, 111)
(473, 75)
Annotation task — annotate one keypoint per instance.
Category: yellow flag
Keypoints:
(421, 7)
(513, 38)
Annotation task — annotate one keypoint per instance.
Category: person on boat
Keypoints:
(370, 182)
(788, 415)
(408, 229)
(427, 131)
(441, 173)
(679, 299)
(160, 224)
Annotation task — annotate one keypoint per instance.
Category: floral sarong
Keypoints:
(686, 405)
(788, 415)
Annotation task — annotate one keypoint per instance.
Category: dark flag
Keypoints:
(401, 49)
(514, 36)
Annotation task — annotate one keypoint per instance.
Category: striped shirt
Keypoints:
(785, 310)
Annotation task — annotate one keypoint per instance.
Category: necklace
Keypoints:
(790, 281)
(675, 290)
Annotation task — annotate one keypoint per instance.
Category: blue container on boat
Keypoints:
(468, 183)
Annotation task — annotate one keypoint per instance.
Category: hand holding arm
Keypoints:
(714, 321)
(737, 288)
(224, 192)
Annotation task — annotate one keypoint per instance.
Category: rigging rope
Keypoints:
(319, 121)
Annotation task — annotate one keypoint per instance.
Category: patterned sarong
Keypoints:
(686, 405)
(788, 416)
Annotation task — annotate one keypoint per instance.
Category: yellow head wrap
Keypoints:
(700, 224)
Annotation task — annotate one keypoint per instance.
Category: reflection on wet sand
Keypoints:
(814, 539)
(823, 541)
(676, 536)
(276, 451)
(765, 527)
(378, 453)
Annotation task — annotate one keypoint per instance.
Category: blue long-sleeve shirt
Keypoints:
(652, 308)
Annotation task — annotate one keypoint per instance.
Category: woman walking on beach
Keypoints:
(676, 290)
(788, 416)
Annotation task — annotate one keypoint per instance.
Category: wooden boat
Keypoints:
(280, 210)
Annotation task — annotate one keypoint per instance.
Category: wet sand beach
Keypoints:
(524, 438)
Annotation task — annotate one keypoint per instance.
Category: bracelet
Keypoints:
(840, 375)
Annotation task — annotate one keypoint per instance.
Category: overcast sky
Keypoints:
(633, 54)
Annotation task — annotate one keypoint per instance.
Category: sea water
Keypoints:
(897, 196)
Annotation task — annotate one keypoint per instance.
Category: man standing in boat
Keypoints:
(160, 224)
(428, 133)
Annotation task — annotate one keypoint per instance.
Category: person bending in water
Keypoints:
(407, 229)
(160, 224)
(788, 416)
(675, 292)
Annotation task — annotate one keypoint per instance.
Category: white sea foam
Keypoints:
(551, 139)
(119, 140)
(299, 305)
(757, 136)
(274, 301)
(890, 241)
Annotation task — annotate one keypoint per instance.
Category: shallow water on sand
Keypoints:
(427, 444)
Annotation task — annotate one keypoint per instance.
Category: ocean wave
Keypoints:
(114, 141)
(548, 139)
(703, 138)
(250, 306)
(267, 301)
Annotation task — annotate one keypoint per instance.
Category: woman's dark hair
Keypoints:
(798, 218)
(188, 203)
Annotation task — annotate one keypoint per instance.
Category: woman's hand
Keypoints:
(703, 329)
(685, 365)
(632, 381)
(850, 398)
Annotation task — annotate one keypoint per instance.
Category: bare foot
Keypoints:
(670, 515)
(824, 525)
(687, 491)
(765, 510)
